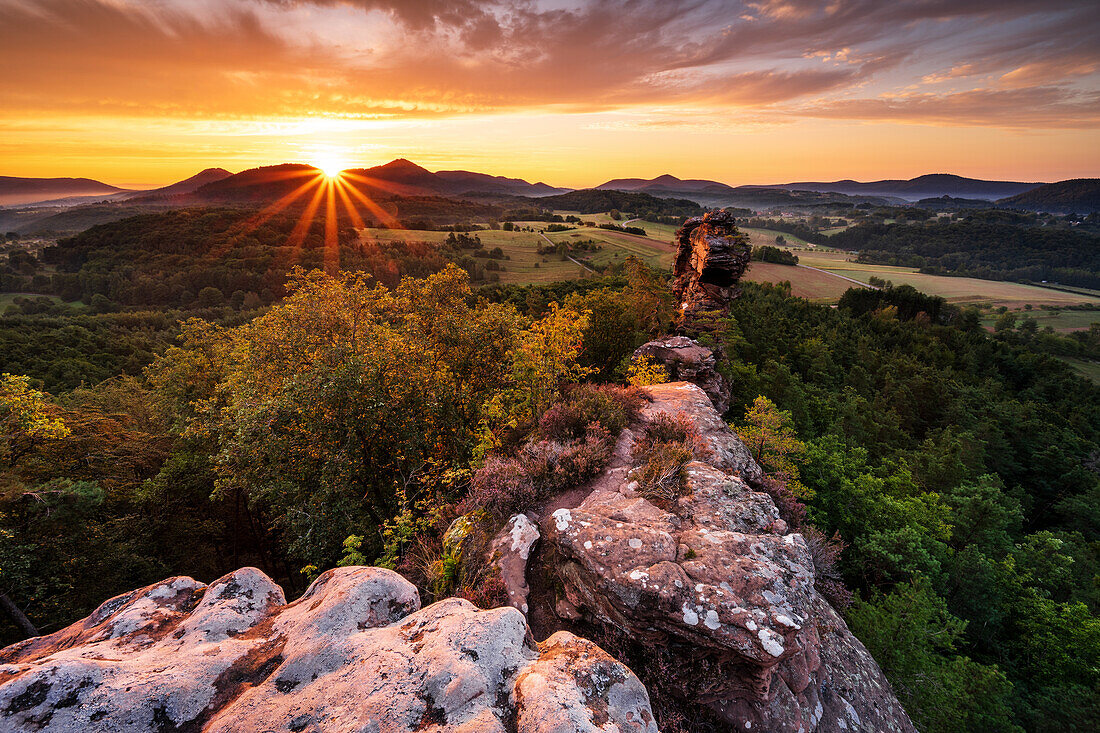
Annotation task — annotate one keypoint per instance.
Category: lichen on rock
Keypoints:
(354, 653)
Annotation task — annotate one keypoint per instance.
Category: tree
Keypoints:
(327, 405)
(547, 359)
(769, 434)
(26, 419)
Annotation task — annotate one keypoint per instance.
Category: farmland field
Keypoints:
(1059, 320)
(805, 283)
(525, 265)
(760, 237)
(1088, 369)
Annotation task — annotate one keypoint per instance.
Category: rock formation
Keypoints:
(689, 361)
(354, 653)
(718, 582)
(711, 256)
(713, 584)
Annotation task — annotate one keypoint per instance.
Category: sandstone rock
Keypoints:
(509, 550)
(354, 653)
(716, 580)
(729, 453)
(576, 686)
(689, 361)
(711, 256)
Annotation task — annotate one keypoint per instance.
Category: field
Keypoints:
(760, 237)
(953, 289)
(7, 299)
(1059, 320)
(824, 284)
(805, 283)
(1088, 369)
(526, 265)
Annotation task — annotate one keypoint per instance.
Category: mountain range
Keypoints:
(402, 177)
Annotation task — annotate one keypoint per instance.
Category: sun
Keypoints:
(331, 166)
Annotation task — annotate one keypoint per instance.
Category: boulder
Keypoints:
(711, 257)
(354, 653)
(687, 360)
(716, 581)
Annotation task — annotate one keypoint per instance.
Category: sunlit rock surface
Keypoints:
(354, 653)
(711, 257)
(716, 579)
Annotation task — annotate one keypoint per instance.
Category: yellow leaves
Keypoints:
(26, 417)
(546, 358)
(644, 372)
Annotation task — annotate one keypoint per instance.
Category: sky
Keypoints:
(572, 92)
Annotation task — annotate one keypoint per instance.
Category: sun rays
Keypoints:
(336, 189)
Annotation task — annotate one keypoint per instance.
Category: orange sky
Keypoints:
(572, 92)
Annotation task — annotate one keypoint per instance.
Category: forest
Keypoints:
(982, 247)
(347, 419)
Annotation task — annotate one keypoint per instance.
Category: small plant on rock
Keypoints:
(664, 448)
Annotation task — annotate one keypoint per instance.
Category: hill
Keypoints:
(15, 191)
(1075, 196)
(932, 185)
(979, 248)
(594, 200)
(399, 177)
(665, 184)
(188, 185)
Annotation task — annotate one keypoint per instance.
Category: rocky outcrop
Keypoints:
(711, 257)
(688, 361)
(354, 653)
(716, 581)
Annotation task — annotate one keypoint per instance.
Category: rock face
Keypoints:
(689, 361)
(717, 581)
(354, 653)
(711, 256)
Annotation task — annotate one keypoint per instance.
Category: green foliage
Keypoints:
(912, 636)
(979, 248)
(958, 469)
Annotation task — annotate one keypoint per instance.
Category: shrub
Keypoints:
(791, 510)
(501, 487)
(645, 371)
(825, 552)
(610, 406)
(665, 428)
(486, 591)
(664, 447)
(662, 477)
(540, 469)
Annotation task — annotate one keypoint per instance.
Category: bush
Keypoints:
(826, 552)
(609, 406)
(501, 487)
(662, 477)
(791, 510)
(487, 591)
(665, 446)
(665, 428)
(540, 469)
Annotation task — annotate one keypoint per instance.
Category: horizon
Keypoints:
(322, 167)
(569, 93)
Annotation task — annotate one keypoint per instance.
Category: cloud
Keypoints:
(1036, 107)
(425, 58)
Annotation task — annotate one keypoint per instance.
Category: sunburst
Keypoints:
(326, 184)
